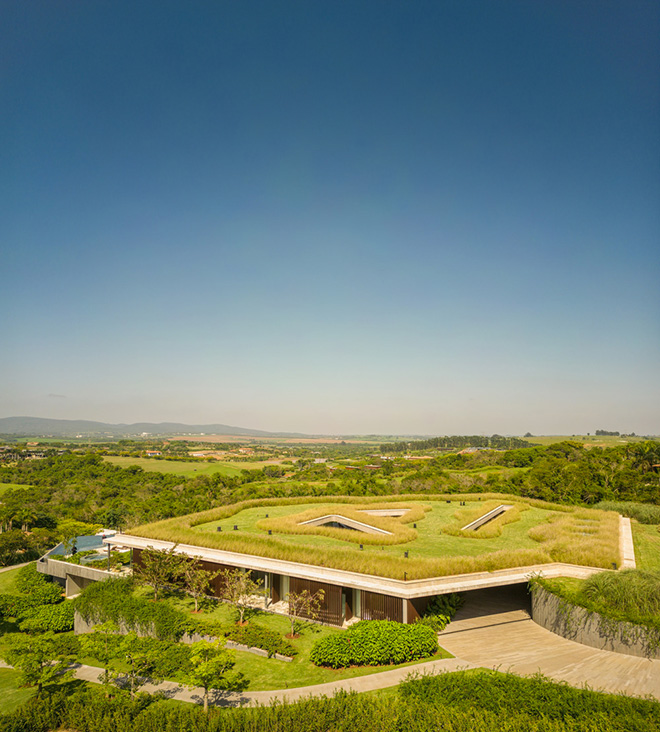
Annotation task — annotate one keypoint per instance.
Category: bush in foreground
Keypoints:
(375, 643)
(459, 702)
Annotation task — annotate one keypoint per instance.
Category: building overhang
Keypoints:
(409, 589)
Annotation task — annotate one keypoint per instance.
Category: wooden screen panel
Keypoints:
(330, 610)
(381, 607)
(417, 608)
(216, 582)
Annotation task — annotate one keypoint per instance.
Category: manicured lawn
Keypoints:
(646, 538)
(183, 467)
(11, 695)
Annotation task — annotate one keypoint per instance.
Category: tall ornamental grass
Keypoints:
(576, 536)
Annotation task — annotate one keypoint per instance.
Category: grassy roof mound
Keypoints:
(534, 532)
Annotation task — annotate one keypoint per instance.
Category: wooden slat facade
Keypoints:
(216, 582)
(330, 610)
(381, 607)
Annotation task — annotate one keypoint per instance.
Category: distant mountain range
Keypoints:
(39, 427)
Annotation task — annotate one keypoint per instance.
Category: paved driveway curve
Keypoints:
(494, 630)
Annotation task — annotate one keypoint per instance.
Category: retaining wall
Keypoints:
(591, 629)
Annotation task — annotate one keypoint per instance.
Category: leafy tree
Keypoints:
(210, 663)
(100, 644)
(303, 605)
(40, 659)
(25, 516)
(239, 588)
(197, 580)
(159, 568)
(141, 658)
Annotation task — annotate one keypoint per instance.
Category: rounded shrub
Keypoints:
(375, 643)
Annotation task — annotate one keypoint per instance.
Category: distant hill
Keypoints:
(39, 427)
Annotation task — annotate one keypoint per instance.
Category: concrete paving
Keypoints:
(494, 629)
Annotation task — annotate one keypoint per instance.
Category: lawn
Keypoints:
(4, 487)
(8, 580)
(542, 533)
(646, 538)
(11, 694)
(431, 540)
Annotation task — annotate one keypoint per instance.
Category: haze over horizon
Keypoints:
(375, 218)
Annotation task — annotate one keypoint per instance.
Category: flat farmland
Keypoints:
(586, 440)
(186, 468)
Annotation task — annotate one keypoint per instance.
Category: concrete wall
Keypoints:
(591, 629)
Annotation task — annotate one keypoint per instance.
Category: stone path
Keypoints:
(492, 631)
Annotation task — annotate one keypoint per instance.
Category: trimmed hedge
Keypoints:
(375, 643)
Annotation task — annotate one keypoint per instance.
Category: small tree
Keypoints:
(238, 588)
(39, 658)
(158, 568)
(100, 643)
(304, 605)
(197, 580)
(210, 663)
(139, 655)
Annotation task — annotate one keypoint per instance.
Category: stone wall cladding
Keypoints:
(591, 629)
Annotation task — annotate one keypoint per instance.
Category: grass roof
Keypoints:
(532, 532)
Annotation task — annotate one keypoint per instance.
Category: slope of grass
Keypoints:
(8, 581)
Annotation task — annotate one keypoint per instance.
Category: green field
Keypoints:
(586, 440)
(4, 487)
(186, 468)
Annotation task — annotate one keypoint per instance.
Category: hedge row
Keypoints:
(375, 643)
(459, 702)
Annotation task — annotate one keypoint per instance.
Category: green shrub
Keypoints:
(645, 513)
(33, 584)
(58, 618)
(375, 643)
(256, 636)
(114, 600)
(441, 610)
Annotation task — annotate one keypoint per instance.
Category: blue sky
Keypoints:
(344, 217)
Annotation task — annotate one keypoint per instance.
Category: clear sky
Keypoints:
(332, 217)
